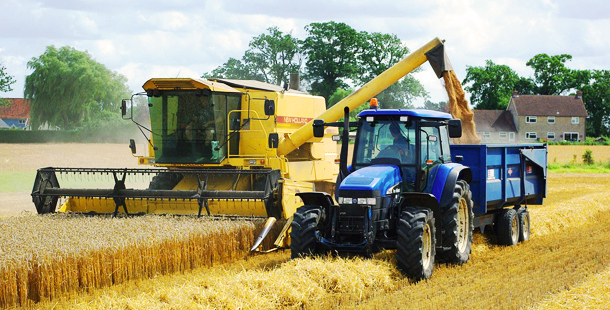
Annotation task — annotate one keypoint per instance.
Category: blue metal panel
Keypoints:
(401, 112)
(441, 179)
(372, 178)
(498, 174)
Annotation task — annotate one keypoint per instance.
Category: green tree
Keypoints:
(490, 87)
(382, 51)
(274, 55)
(235, 69)
(331, 49)
(69, 89)
(551, 76)
(5, 83)
(596, 96)
(436, 106)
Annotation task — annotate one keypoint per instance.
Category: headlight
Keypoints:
(361, 201)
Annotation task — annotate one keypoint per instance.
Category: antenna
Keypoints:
(178, 73)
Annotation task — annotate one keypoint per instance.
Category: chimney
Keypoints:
(578, 95)
(515, 94)
(295, 81)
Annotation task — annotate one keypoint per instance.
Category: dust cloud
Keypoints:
(458, 107)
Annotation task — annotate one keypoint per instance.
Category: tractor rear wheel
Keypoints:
(458, 224)
(416, 243)
(508, 227)
(304, 226)
(524, 225)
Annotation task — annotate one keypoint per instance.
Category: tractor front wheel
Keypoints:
(303, 235)
(416, 243)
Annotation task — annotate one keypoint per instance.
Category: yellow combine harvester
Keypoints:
(225, 147)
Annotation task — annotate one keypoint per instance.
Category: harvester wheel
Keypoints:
(304, 225)
(458, 224)
(165, 181)
(508, 227)
(416, 244)
(524, 225)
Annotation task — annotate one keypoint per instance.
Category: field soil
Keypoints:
(19, 162)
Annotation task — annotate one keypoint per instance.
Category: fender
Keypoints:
(316, 198)
(452, 175)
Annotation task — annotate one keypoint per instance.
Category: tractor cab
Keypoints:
(412, 141)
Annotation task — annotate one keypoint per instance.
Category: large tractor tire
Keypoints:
(458, 224)
(508, 227)
(304, 225)
(416, 243)
(165, 181)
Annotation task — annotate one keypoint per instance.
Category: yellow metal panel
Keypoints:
(290, 202)
(362, 95)
(166, 84)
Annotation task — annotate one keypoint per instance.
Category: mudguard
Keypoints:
(446, 179)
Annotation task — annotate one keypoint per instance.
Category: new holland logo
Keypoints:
(293, 119)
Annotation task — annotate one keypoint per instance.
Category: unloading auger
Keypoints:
(222, 147)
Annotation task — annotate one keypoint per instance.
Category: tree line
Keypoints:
(68, 88)
(332, 58)
(492, 85)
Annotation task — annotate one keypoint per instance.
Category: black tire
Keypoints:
(304, 225)
(508, 227)
(524, 225)
(416, 243)
(165, 181)
(457, 224)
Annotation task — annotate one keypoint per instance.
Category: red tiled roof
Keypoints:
(494, 120)
(544, 105)
(18, 108)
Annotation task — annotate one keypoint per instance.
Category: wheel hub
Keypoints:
(463, 225)
(427, 246)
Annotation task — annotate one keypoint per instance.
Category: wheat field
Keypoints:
(158, 262)
(564, 265)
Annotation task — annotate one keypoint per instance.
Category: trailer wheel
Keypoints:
(457, 224)
(508, 227)
(416, 244)
(303, 235)
(524, 225)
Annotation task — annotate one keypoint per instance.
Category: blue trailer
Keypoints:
(407, 188)
(504, 175)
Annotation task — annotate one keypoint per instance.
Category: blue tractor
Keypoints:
(402, 191)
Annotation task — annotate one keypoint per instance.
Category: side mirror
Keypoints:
(132, 146)
(269, 107)
(318, 128)
(124, 107)
(454, 127)
(274, 140)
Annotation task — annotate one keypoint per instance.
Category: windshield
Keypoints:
(386, 139)
(190, 128)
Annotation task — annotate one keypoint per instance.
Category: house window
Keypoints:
(575, 120)
(530, 135)
(486, 135)
(502, 135)
(550, 135)
(21, 121)
(531, 119)
(570, 136)
(550, 119)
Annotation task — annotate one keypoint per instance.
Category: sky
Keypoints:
(145, 39)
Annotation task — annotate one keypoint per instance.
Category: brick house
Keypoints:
(531, 118)
(495, 126)
(15, 114)
(553, 118)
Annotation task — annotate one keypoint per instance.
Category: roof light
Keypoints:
(374, 103)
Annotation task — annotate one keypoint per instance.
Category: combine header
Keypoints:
(224, 147)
